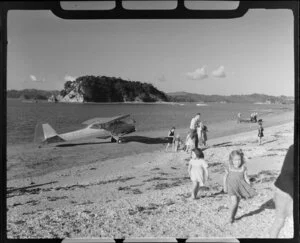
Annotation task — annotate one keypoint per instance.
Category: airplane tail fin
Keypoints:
(44, 133)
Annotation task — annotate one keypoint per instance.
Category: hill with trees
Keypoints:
(251, 98)
(31, 94)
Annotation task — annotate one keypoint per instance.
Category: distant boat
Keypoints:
(201, 104)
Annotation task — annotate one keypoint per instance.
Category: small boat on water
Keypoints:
(201, 104)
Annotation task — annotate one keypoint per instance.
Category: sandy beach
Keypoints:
(136, 189)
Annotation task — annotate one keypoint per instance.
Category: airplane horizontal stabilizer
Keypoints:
(45, 133)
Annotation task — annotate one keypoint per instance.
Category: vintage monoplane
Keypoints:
(113, 128)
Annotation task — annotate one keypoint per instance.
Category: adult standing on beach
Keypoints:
(284, 191)
(239, 115)
(193, 128)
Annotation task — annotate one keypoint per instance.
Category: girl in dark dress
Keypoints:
(204, 134)
(171, 138)
(236, 181)
(260, 131)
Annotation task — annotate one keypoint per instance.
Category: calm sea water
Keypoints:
(23, 117)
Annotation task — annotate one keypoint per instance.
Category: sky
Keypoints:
(251, 54)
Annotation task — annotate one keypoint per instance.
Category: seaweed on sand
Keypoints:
(129, 189)
(264, 176)
(156, 168)
(125, 188)
(161, 186)
(155, 179)
(142, 209)
(56, 198)
(137, 191)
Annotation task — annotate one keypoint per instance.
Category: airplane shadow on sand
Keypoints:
(267, 205)
(80, 144)
(127, 139)
(146, 140)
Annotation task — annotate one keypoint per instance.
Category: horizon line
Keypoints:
(166, 92)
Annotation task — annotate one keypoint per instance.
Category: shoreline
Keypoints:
(28, 160)
(197, 103)
(148, 195)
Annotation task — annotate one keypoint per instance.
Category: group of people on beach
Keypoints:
(197, 135)
(236, 182)
(253, 117)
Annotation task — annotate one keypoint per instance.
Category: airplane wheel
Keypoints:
(119, 141)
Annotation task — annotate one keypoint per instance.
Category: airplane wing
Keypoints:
(104, 120)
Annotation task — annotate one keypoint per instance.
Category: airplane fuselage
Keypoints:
(84, 133)
(92, 132)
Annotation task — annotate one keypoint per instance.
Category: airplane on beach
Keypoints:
(113, 127)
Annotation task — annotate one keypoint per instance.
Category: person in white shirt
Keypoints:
(193, 128)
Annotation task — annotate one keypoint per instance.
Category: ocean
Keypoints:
(64, 117)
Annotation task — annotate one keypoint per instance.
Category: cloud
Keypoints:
(198, 74)
(219, 72)
(162, 79)
(69, 78)
(33, 78)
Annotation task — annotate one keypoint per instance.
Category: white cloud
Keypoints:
(198, 74)
(33, 78)
(69, 78)
(162, 79)
(219, 72)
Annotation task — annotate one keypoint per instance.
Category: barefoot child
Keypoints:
(177, 143)
(189, 143)
(236, 181)
(260, 131)
(171, 137)
(198, 171)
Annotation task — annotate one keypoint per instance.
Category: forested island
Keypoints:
(111, 89)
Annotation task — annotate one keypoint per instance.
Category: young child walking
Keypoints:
(198, 171)
(260, 131)
(177, 143)
(171, 138)
(189, 143)
(203, 134)
(236, 181)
